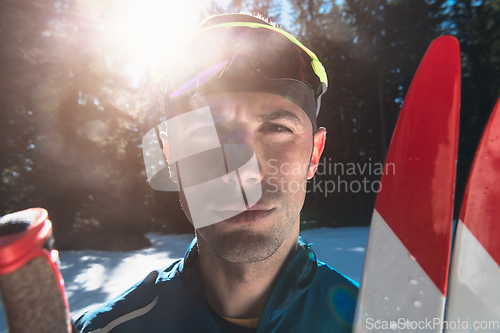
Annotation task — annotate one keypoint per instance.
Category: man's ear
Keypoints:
(166, 151)
(318, 146)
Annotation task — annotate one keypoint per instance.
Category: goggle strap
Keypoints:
(315, 63)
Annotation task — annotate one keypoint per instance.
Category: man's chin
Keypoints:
(240, 246)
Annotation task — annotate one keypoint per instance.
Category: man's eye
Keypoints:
(277, 128)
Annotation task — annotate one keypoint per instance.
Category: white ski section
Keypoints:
(396, 294)
(473, 294)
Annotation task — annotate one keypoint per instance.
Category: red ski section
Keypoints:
(481, 205)
(416, 199)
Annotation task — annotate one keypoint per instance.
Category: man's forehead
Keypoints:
(251, 106)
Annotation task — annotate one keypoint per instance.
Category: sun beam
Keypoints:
(144, 33)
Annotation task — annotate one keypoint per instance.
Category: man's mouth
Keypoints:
(253, 215)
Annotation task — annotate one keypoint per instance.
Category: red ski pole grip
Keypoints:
(31, 284)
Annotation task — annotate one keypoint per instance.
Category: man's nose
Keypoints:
(244, 171)
(242, 159)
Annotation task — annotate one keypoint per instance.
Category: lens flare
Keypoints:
(95, 130)
(340, 306)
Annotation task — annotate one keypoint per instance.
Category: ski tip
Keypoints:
(446, 46)
(451, 40)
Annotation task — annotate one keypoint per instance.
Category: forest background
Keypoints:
(76, 100)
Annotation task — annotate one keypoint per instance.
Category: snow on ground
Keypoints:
(92, 277)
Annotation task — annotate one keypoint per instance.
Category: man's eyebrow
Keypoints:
(279, 114)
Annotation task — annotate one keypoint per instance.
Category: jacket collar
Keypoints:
(298, 275)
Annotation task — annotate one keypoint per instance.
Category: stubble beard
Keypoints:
(245, 245)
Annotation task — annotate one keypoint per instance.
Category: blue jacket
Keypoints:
(309, 296)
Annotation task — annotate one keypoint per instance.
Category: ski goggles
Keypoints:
(245, 56)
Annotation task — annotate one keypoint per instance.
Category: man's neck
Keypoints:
(241, 290)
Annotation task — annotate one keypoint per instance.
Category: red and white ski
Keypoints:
(474, 296)
(407, 257)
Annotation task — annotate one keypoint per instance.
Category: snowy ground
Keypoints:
(92, 277)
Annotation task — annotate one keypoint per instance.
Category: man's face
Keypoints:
(281, 135)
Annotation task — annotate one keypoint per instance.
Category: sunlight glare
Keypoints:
(148, 32)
